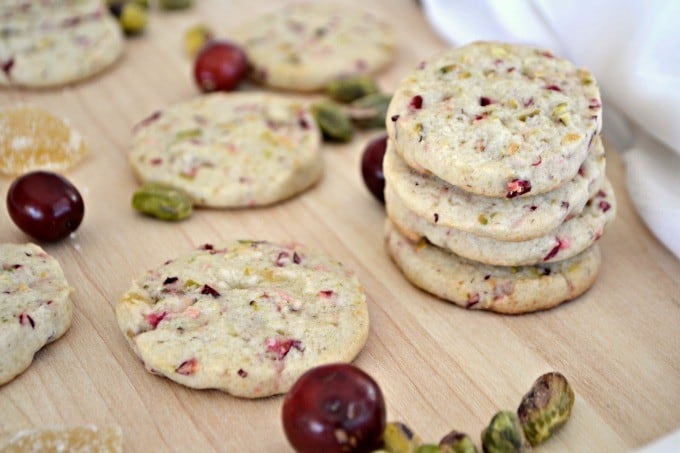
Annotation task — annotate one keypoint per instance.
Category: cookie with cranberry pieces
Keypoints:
(567, 240)
(230, 149)
(35, 308)
(244, 317)
(495, 119)
(305, 46)
(502, 219)
(47, 44)
(501, 289)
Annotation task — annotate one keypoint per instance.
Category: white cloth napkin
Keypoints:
(632, 48)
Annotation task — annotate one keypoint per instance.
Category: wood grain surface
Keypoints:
(440, 367)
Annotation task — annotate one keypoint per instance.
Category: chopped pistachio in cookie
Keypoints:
(230, 149)
(306, 46)
(496, 119)
(569, 239)
(502, 289)
(245, 317)
(35, 308)
(57, 45)
(518, 219)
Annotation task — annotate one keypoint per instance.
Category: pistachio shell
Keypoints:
(398, 438)
(195, 37)
(504, 434)
(133, 18)
(546, 407)
(457, 442)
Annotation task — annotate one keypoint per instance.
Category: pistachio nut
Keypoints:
(348, 89)
(398, 438)
(195, 37)
(504, 434)
(457, 442)
(162, 201)
(546, 407)
(333, 121)
(370, 111)
(133, 18)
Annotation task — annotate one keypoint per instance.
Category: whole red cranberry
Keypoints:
(45, 205)
(220, 66)
(372, 167)
(334, 408)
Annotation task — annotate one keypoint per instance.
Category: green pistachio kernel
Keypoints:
(369, 111)
(546, 407)
(133, 18)
(448, 68)
(162, 201)
(333, 121)
(348, 89)
(398, 438)
(483, 219)
(176, 4)
(191, 284)
(188, 133)
(525, 116)
(457, 442)
(504, 434)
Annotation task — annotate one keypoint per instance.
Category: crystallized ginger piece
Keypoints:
(32, 138)
(78, 439)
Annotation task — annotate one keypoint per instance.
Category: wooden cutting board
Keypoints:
(440, 367)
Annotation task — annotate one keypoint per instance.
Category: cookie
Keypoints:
(305, 46)
(26, 16)
(245, 317)
(501, 289)
(35, 308)
(567, 240)
(53, 47)
(230, 149)
(496, 119)
(518, 219)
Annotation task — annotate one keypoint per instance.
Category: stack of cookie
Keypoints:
(495, 186)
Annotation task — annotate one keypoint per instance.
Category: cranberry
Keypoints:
(334, 408)
(518, 187)
(220, 66)
(45, 205)
(372, 168)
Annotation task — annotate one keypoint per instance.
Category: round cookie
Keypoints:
(305, 46)
(230, 149)
(509, 290)
(496, 119)
(245, 317)
(567, 240)
(35, 308)
(45, 48)
(518, 219)
(26, 16)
